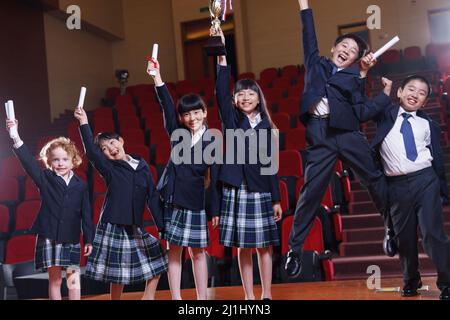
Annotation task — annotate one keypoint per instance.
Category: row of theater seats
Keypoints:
(139, 110)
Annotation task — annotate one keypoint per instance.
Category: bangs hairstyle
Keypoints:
(103, 136)
(419, 78)
(362, 44)
(249, 84)
(190, 102)
(67, 145)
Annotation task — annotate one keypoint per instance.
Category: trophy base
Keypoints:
(214, 47)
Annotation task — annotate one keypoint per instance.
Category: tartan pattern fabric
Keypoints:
(49, 253)
(246, 219)
(186, 228)
(125, 255)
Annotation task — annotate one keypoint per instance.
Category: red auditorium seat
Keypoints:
(112, 93)
(123, 101)
(158, 135)
(282, 83)
(247, 75)
(290, 164)
(282, 121)
(4, 219)
(296, 139)
(103, 112)
(127, 122)
(98, 184)
(269, 74)
(273, 94)
(162, 152)
(296, 91)
(142, 151)
(213, 114)
(391, 57)
(150, 110)
(126, 111)
(26, 213)
(20, 249)
(97, 208)
(186, 87)
(11, 167)
(290, 106)
(290, 71)
(133, 136)
(154, 121)
(154, 173)
(412, 53)
(284, 196)
(42, 142)
(313, 242)
(215, 249)
(103, 125)
(9, 189)
(31, 191)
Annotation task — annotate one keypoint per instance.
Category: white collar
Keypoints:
(69, 177)
(196, 136)
(257, 119)
(402, 111)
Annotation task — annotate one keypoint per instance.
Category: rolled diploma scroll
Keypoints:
(154, 56)
(386, 47)
(9, 106)
(82, 97)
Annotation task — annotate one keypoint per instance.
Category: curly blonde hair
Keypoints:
(64, 143)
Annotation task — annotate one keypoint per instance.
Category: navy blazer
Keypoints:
(184, 184)
(349, 106)
(65, 209)
(128, 190)
(385, 123)
(233, 118)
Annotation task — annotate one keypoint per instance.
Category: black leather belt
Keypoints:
(315, 116)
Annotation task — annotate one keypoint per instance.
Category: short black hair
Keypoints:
(362, 44)
(190, 102)
(421, 79)
(102, 136)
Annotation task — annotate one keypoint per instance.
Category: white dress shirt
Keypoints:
(393, 151)
(197, 136)
(323, 107)
(132, 162)
(255, 121)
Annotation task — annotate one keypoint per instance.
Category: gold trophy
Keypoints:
(214, 46)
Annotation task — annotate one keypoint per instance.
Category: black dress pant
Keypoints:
(325, 146)
(416, 201)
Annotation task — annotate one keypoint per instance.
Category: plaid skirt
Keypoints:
(125, 255)
(49, 253)
(185, 228)
(246, 219)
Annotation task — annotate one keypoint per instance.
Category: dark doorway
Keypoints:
(197, 64)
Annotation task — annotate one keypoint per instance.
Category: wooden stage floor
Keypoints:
(333, 290)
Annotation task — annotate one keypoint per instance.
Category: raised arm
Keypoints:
(29, 163)
(367, 109)
(310, 46)
(93, 152)
(228, 113)
(164, 98)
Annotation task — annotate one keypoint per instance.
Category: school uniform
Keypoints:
(65, 211)
(123, 252)
(246, 219)
(332, 107)
(408, 146)
(182, 185)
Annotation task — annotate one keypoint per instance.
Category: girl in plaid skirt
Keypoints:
(251, 201)
(124, 253)
(182, 188)
(64, 208)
